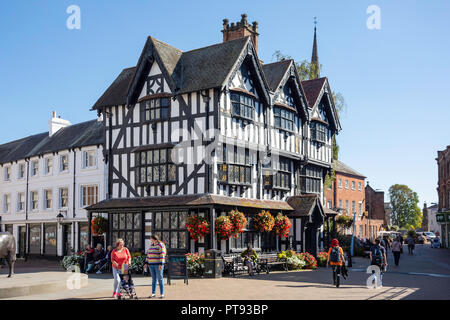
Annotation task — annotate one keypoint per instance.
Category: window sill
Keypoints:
(278, 188)
(285, 130)
(242, 118)
(235, 184)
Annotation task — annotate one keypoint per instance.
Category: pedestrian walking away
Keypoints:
(377, 256)
(410, 241)
(156, 255)
(120, 257)
(397, 250)
(336, 259)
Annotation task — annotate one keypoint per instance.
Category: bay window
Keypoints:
(318, 132)
(284, 119)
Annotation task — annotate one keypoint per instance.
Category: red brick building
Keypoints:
(443, 189)
(347, 195)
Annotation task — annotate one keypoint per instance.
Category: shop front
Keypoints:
(443, 220)
(136, 219)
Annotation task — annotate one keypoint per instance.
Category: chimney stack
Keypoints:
(240, 30)
(56, 123)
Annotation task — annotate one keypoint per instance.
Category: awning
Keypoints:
(186, 201)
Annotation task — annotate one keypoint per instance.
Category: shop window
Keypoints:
(50, 239)
(83, 235)
(35, 239)
(170, 227)
(128, 226)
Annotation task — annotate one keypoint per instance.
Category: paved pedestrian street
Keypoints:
(426, 275)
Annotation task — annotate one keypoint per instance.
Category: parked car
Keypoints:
(429, 235)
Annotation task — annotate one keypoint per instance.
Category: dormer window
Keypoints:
(156, 109)
(318, 132)
(284, 119)
(323, 113)
(243, 106)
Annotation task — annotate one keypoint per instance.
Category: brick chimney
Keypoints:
(55, 124)
(240, 30)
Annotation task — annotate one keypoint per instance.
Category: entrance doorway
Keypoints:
(67, 239)
(22, 241)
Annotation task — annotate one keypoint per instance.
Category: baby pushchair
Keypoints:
(127, 289)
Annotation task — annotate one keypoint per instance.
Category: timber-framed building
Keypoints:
(210, 130)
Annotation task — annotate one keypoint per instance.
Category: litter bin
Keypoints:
(213, 263)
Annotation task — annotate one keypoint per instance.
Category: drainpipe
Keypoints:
(74, 181)
(27, 230)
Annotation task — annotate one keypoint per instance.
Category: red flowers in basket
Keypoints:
(311, 262)
(238, 221)
(99, 225)
(263, 222)
(224, 227)
(197, 226)
(282, 225)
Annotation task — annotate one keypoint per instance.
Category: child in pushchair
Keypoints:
(127, 289)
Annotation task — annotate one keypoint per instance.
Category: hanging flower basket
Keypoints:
(344, 221)
(197, 226)
(224, 227)
(238, 221)
(282, 225)
(263, 222)
(99, 226)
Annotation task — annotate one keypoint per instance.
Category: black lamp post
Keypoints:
(60, 217)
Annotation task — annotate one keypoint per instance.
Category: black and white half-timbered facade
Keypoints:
(210, 130)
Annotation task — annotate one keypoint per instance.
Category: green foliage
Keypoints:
(254, 254)
(405, 211)
(137, 264)
(344, 221)
(69, 261)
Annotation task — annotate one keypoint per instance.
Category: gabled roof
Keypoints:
(343, 168)
(275, 72)
(116, 94)
(199, 69)
(305, 205)
(75, 136)
(312, 89)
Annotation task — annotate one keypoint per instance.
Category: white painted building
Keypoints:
(58, 172)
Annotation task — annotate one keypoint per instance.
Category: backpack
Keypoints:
(335, 255)
(377, 255)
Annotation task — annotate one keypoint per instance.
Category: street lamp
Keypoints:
(60, 217)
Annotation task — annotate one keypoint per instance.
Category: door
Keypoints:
(22, 241)
(67, 239)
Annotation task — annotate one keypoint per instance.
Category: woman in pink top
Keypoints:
(120, 257)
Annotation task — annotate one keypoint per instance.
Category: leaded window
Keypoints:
(280, 178)
(156, 109)
(128, 226)
(170, 227)
(243, 105)
(311, 179)
(318, 132)
(236, 167)
(284, 119)
(156, 166)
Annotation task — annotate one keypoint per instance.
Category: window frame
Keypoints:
(7, 173)
(169, 166)
(160, 229)
(150, 104)
(46, 199)
(34, 168)
(243, 96)
(48, 169)
(283, 173)
(244, 170)
(84, 196)
(21, 171)
(318, 132)
(121, 231)
(285, 118)
(34, 203)
(311, 180)
(86, 156)
(20, 204)
(60, 193)
(61, 163)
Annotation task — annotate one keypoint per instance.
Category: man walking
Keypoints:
(377, 256)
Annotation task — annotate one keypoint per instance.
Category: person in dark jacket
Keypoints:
(89, 258)
(104, 262)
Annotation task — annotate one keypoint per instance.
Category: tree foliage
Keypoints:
(405, 211)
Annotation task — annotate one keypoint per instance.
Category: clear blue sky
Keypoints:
(394, 80)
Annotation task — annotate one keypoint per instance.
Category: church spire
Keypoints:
(315, 55)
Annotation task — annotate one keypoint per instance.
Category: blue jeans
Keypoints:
(116, 276)
(157, 275)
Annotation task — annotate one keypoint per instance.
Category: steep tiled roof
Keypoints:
(198, 69)
(304, 205)
(275, 72)
(116, 93)
(75, 136)
(312, 89)
(343, 168)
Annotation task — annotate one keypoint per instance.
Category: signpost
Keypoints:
(177, 268)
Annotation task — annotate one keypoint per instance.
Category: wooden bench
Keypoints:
(266, 261)
(235, 264)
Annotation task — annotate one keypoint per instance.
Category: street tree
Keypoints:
(405, 210)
